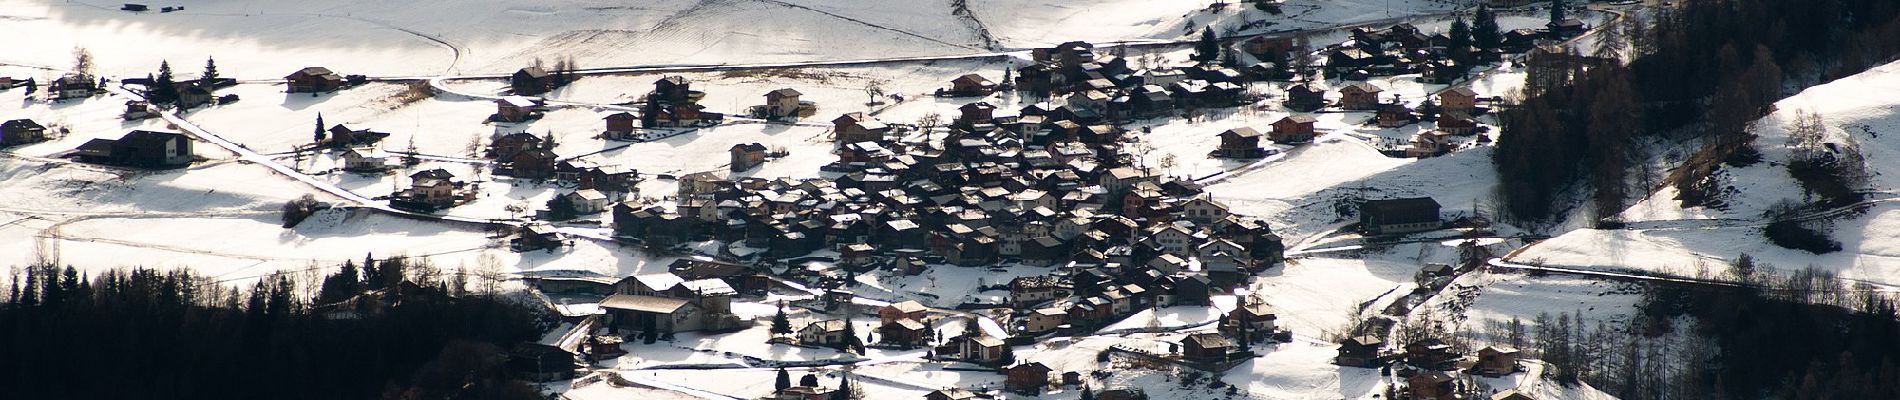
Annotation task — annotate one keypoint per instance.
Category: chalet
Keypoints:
(1431, 354)
(978, 348)
(529, 164)
(1121, 178)
(21, 131)
(1305, 98)
(1028, 378)
(747, 155)
(1259, 318)
(313, 80)
(1293, 129)
(570, 170)
(681, 115)
(1395, 216)
(1430, 144)
(620, 125)
(1520, 40)
(827, 333)
(365, 159)
(1392, 115)
(858, 127)
(674, 89)
(970, 85)
(1459, 100)
(910, 309)
(140, 148)
(137, 110)
(904, 333)
(532, 81)
(1242, 142)
(802, 393)
(1206, 348)
(506, 146)
(1044, 320)
(72, 86)
(1359, 351)
(1432, 385)
(586, 201)
(1567, 28)
(433, 188)
(783, 103)
(976, 113)
(951, 394)
(1456, 124)
(516, 109)
(1359, 96)
(1032, 290)
(1204, 209)
(1496, 361)
(1266, 45)
(191, 96)
(537, 236)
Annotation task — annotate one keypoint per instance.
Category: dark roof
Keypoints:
(533, 72)
(749, 147)
(148, 138)
(1244, 132)
(1420, 206)
(1208, 341)
(786, 92)
(21, 124)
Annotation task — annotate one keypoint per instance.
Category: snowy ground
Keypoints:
(1664, 237)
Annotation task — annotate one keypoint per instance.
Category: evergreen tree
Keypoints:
(211, 72)
(1556, 13)
(784, 380)
(808, 380)
(559, 209)
(844, 389)
(318, 134)
(780, 324)
(1484, 29)
(1460, 47)
(164, 89)
(1208, 48)
(850, 336)
(1088, 393)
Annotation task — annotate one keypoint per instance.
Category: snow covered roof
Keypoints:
(652, 304)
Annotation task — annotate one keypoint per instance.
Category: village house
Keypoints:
(586, 201)
(976, 348)
(783, 103)
(434, 188)
(1458, 100)
(1432, 385)
(72, 86)
(1511, 394)
(537, 236)
(1359, 96)
(141, 149)
(1204, 209)
(1393, 115)
(1044, 320)
(1242, 142)
(537, 163)
(827, 333)
(1431, 354)
(313, 80)
(21, 131)
(1430, 144)
(1259, 318)
(1396, 216)
(1029, 378)
(137, 110)
(901, 310)
(341, 136)
(1206, 348)
(970, 85)
(1293, 129)
(620, 126)
(1457, 124)
(1032, 290)
(1496, 361)
(906, 333)
(858, 127)
(505, 146)
(659, 315)
(365, 159)
(516, 109)
(1359, 351)
(745, 156)
(1305, 98)
(532, 81)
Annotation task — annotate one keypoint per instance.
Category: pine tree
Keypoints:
(1460, 46)
(844, 389)
(1208, 48)
(780, 324)
(164, 89)
(784, 380)
(318, 133)
(1556, 13)
(211, 72)
(1088, 393)
(1484, 29)
(850, 335)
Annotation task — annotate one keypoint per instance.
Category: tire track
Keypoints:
(862, 22)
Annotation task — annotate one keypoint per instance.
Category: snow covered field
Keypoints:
(1664, 237)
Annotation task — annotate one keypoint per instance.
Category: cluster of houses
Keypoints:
(1098, 88)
